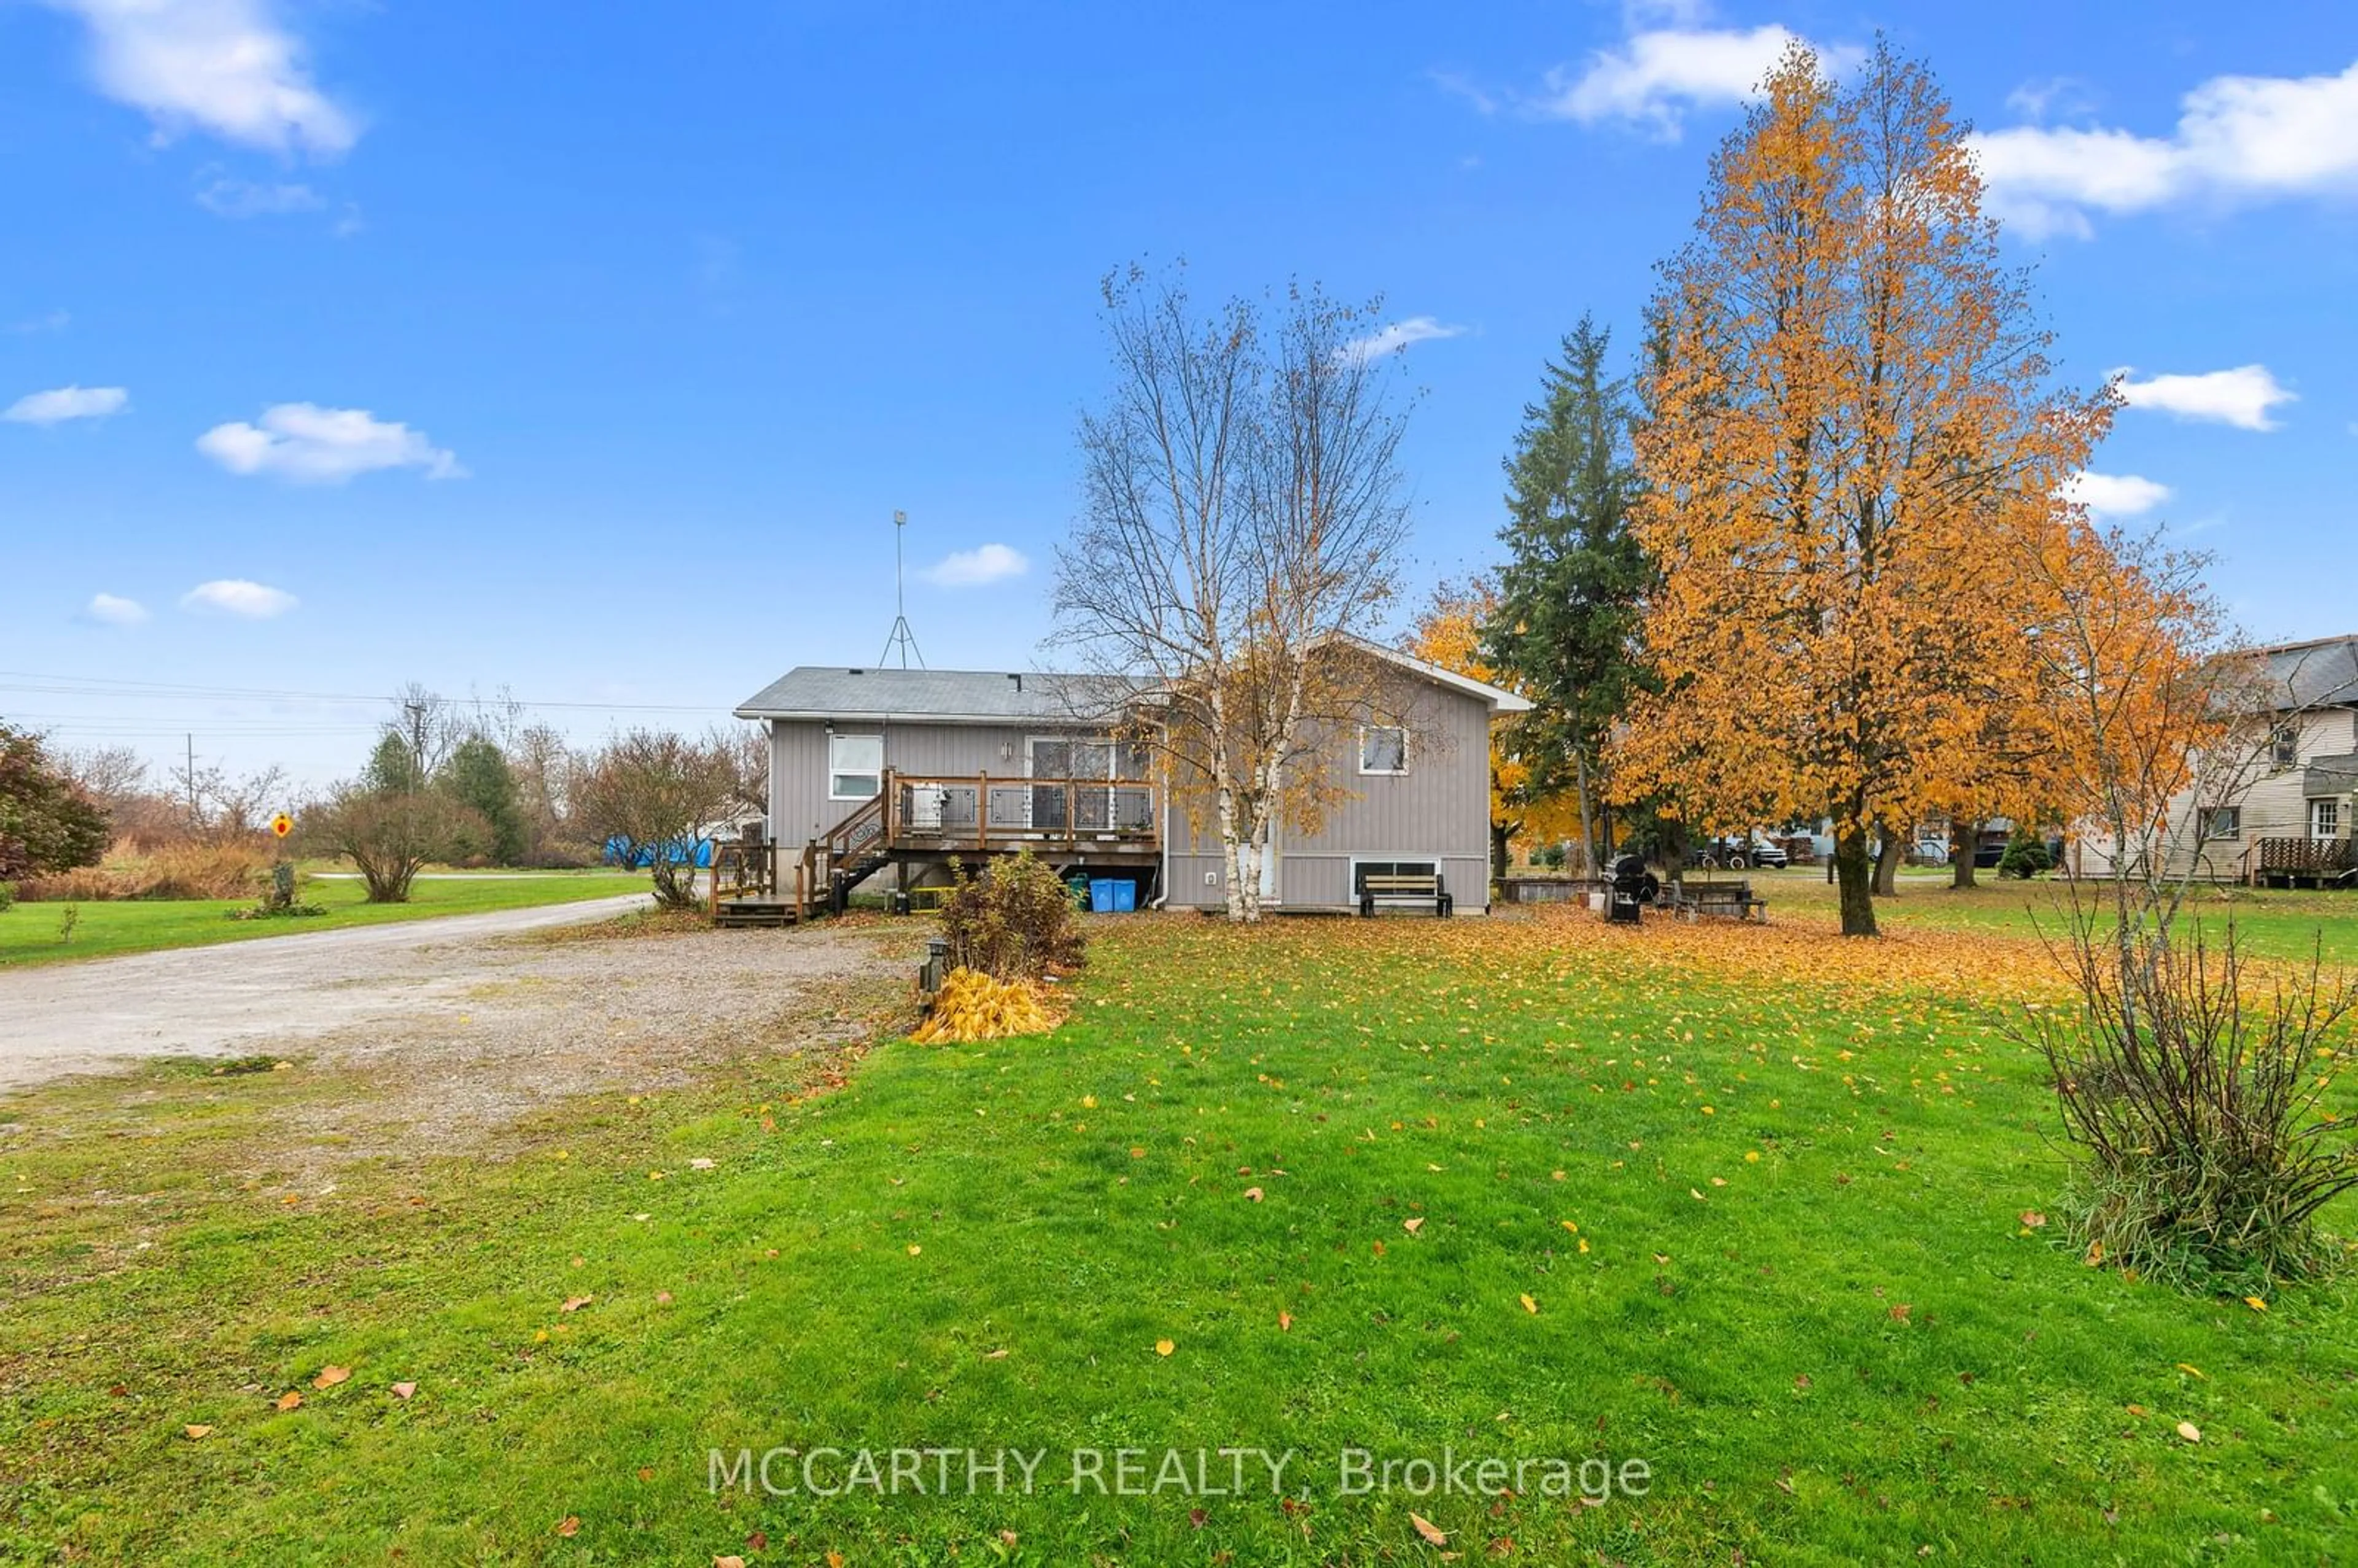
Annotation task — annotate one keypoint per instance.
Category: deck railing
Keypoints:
(982, 814)
(2302, 858)
(760, 872)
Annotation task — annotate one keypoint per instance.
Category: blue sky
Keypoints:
(585, 351)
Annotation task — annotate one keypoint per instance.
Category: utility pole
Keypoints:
(416, 711)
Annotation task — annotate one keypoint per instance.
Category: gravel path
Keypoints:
(484, 1024)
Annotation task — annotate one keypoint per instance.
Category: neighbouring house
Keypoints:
(2275, 805)
(875, 771)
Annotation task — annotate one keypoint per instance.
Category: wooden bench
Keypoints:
(1733, 900)
(1393, 888)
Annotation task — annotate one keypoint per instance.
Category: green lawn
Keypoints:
(29, 931)
(2273, 923)
(1799, 1289)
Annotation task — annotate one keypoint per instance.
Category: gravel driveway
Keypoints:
(484, 1020)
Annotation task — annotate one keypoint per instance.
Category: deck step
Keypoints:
(745, 912)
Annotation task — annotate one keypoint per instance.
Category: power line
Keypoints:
(170, 691)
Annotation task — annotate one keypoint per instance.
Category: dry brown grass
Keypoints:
(182, 871)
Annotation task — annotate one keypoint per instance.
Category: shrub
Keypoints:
(2026, 855)
(1014, 922)
(389, 837)
(2193, 1101)
(8, 895)
(47, 822)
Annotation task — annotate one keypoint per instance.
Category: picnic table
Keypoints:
(1730, 900)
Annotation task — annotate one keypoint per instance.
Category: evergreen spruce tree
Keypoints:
(1568, 595)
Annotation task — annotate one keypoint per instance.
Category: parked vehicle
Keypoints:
(1932, 852)
(1754, 849)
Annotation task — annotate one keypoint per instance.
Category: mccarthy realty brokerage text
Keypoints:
(830, 1472)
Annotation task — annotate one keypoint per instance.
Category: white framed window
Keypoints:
(855, 766)
(1383, 749)
(2325, 819)
(2223, 822)
(1362, 870)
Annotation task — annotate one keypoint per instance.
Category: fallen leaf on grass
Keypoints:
(1000, 1355)
(575, 1304)
(330, 1376)
(569, 1526)
(2256, 1304)
(1529, 1304)
(1899, 1313)
(2192, 1371)
(196, 1432)
(2136, 1410)
(2032, 1219)
(1164, 1348)
(663, 1298)
(914, 1250)
(1413, 1226)
(2188, 1431)
(290, 1400)
(402, 1391)
(731, 1561)
(1284, 1322)
(1427, 1529)
(699, 1164)
(1253, 1193)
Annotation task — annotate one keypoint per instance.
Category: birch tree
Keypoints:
(1241, 526)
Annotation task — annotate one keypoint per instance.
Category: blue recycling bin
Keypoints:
(1113, 895)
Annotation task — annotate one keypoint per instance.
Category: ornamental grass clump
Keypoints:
(974, 1006)
(2201, 1104)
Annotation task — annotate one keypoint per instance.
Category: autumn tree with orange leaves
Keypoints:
(1849, 440)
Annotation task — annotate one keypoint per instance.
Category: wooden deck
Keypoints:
(924, 820)
(2302, 862)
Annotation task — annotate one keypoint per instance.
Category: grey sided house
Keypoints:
(897, 771)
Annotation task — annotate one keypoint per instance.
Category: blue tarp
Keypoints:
(678, 852)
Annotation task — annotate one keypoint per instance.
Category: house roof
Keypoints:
(952, 697)
(999, 696)
(2320, 673)
(2330, 775)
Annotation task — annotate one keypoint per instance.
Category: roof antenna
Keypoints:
(902, 637)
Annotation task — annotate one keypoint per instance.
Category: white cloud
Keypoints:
(1655, 77)
(45, 322)
(972, 569)
(224, 66)
(2115, 496)
(114, 610)
(232, 197)
(1458, 84)
(237, 596)
(2241, 397)
(1398, 335)
(2238, 138)
(311, 445)
(2051, 97)
(56, 406)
